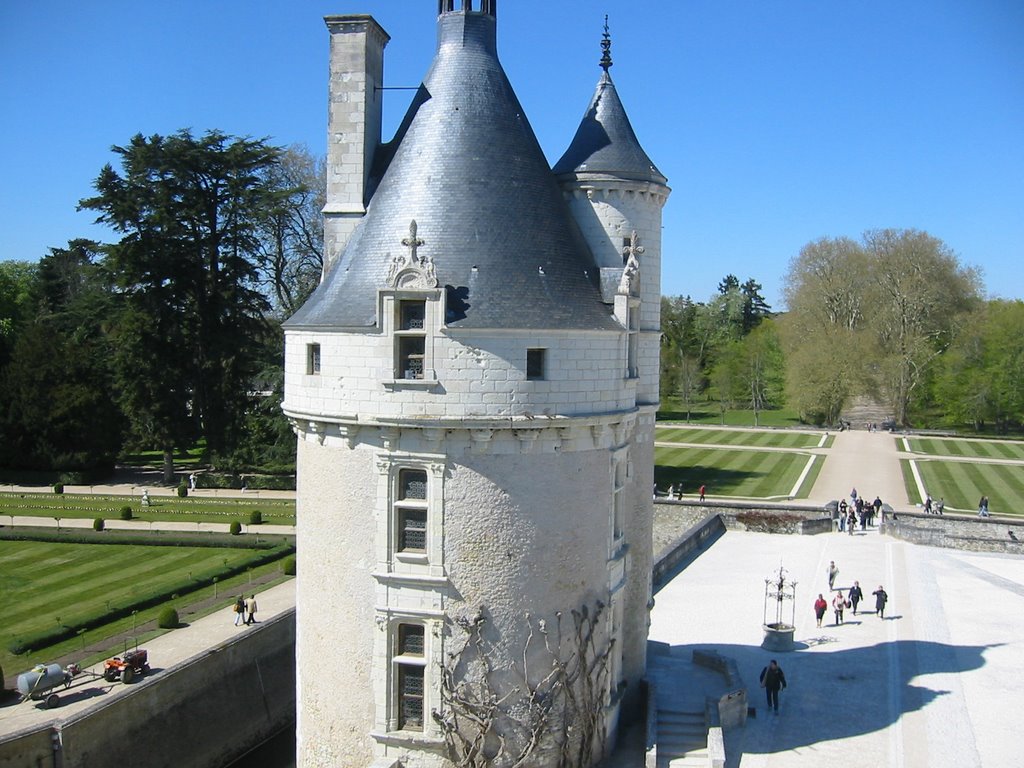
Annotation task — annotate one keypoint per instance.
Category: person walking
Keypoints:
(773, 680)
(239, 611)
(702, 489)
(820, 606)
(833, 571)
(855, 595)
(250, 606)
(881, 598)
(851, 522)
(983, 507)
(838, 604)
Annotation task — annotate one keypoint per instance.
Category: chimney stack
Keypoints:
(353, 124)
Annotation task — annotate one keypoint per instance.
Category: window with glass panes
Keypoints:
(411, 511)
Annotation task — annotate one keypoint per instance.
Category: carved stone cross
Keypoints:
(412, 242)
(632, 248)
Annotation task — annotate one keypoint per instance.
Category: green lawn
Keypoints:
(962, 484)
(766, 438)
(94, 587)
(743, 473)
(163, 508)
(975, 449)
(708, 413)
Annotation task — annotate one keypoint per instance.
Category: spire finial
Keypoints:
(606, 47)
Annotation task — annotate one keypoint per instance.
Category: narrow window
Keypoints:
(535, 364)
(410, 661)
(410, 339)
(411, 511)
(312, 359)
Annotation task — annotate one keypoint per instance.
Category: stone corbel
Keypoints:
(349, 433)
(599, 432)
(389, 437)
(318, 429)
(527, 438)
(481, 439)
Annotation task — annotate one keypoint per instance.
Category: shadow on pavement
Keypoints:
(868, 688)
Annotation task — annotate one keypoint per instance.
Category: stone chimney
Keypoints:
(353, 124)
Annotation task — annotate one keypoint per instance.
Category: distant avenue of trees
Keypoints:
(169, 334)
(894, 317)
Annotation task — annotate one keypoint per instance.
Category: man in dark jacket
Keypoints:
(772, 680)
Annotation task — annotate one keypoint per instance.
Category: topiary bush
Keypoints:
(126, 512)
(255, 517)
(98, 524)
(288, 565)
(182, 489)
(167, 618)
(58, 487)
(235, 528)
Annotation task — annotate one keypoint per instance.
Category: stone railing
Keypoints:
(974, 534)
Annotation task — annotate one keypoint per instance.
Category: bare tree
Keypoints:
(545, 706)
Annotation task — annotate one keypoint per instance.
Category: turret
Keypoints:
(616, 195)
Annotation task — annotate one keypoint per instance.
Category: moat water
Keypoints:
(278, 752)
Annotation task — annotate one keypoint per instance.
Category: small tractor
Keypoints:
(128, 666)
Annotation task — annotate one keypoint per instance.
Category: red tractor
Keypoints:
(128, 666)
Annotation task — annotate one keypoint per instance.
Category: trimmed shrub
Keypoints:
(167, 618)
(270, 482)
(255, 517)
(126, 512)
(182, 489)
(235, 528)
(288, 565)
(58, 487)
(98, 524)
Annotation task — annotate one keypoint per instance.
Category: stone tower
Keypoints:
(473, 387)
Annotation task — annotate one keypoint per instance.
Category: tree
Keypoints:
(918, 291)
(755, 308)
(291, 236)
(17, 296)
(58, 382)
(190, 212)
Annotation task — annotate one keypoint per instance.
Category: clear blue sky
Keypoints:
(775, 122)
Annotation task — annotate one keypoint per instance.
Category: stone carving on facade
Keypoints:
(410, 270)
(631, 253)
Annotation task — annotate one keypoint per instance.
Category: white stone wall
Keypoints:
(335, 604)
(469, 376)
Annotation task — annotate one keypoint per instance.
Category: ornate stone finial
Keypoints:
(606, 47)
(411, 270)
(631, 253)
(632, 248)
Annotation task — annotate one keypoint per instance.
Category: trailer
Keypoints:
(39, 682)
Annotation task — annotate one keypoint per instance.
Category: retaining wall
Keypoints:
(974, 534)
(203, 712)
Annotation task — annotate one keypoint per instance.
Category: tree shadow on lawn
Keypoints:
(690, 479)
(859, 679)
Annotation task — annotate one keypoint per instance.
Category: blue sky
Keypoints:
(776, 121)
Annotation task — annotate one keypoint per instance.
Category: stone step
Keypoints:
(695, 759)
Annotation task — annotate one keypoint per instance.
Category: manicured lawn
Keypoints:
(744, 473)
(766, 438)
(975, 449)
(962, 485)
(708, 413)
(48, 585)
(193, 509)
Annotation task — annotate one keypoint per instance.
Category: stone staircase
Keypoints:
(682, 739)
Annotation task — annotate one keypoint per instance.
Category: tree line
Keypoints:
(171, 334)
(894, 317)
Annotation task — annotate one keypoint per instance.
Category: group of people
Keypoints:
(852, 599)
(676, 492)
(858, 509)
(245, 610)
(934, 507)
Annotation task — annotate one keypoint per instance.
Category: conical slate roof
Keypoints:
(468, 169)
(605, 144)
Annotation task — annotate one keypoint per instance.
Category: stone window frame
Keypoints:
(390, 309)
(427, 563)
(313, 359)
